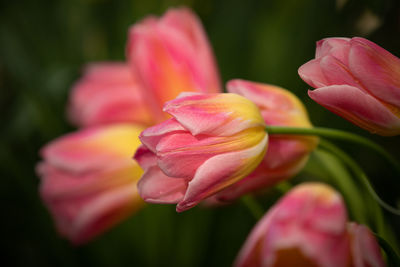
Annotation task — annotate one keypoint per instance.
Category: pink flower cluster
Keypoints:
(193, 143)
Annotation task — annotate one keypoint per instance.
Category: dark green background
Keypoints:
(43, 46)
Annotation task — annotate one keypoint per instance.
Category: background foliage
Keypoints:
(45, 43)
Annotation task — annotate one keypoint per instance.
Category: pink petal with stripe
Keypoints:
(215, 114)
(156, 187)
(221, 171)
(378, 71)
(358, 107)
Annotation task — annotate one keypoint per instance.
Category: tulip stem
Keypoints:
(254, 207)
(359, 173)
(338, 135)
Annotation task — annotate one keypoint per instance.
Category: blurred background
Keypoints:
(43, 47)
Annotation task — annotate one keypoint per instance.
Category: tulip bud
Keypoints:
(357, 80)
(88, 180)
(308, 227)
(286, 155)
(107, 93)
(212, 141)
(171, 55)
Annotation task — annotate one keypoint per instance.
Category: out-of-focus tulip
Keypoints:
(108, 93)
(286, 155)
(171, 55)
(357, 80)
(88, 179)
(365, 250)
(212, 141)
(308, 227)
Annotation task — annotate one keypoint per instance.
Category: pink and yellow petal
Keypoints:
(278, 106)
(221, 171)
(90, 148)
(215, 114)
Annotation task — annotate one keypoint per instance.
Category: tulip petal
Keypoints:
(145, 157)
(365, 249)
(358, 107)
(278, 106)
(172, 55)
(312, 74)
(251, 253)
(337, 73)
(377, 69)
(215, 114)
(86, 204)
(156, 187)
(338, 47)
(191, 151)
(219, 172)
(152, 135)
(93, 147)
(107, 93)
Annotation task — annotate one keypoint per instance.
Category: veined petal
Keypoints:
(156, 187)
(378, 71)
(221, 171)
(172, 55)
(312, 74)
(152, 135)
(337, 73)
(145, 157)
(278, 106)
(215, 114)
(358, 107)
(191, 151)
(337, 47)
(91, 148)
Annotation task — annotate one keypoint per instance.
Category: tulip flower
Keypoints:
(308, 227)
(212, 141)
(88, 180)
(286, 155)
(171, 55)
(357, 80)
(108, 93)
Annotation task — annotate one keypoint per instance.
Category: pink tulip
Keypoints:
(108, 93)
(365, 250)
(357, 80)
(212, 141)
(286, 155)
(88, 180)
(171, 55)
(308, 227)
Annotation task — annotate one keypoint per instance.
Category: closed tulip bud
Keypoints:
(357, 80)
(171, 55)
(286, 155)
(108, 93)
(88, 180)
(212, 141)
(308, 227)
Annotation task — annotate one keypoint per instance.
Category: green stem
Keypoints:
(359, 173)
(338, 135)
(362, 177)
(254, 207)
